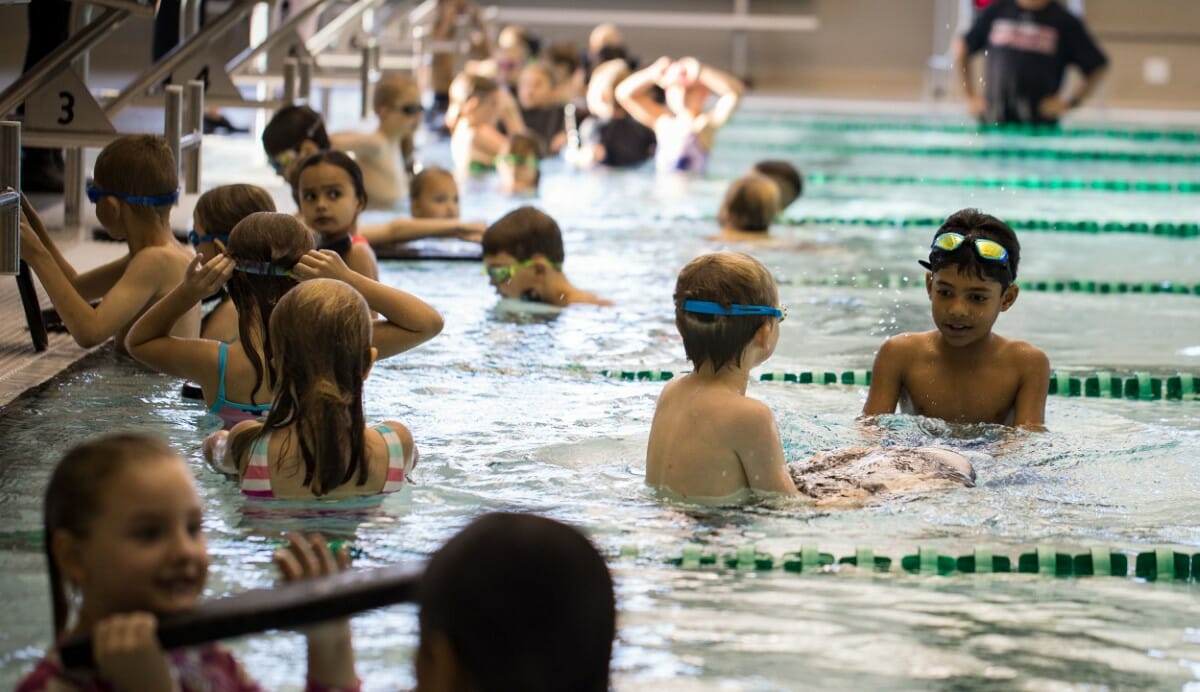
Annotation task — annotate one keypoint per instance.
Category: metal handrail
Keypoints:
(657, 20)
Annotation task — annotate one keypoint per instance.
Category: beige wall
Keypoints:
(864, 48)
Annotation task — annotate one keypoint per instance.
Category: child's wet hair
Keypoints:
(290, 127)
(526, 604)
(785, 175)
(141, 165)
(973, 224)
(562, 53)
(524, 233)
(750, 204)
(416, 186)
(337, 158)
(276, 242)
(526, 145)
(726, 278)
(321, 353)
(479, 87)
(77, 489)
(222, 208)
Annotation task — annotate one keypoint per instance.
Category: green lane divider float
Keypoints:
(1048, 131)
(891, 281)
(1158, 564)
(1178, 158)
(1026, 182)
(1101, 385)
(1184, 229)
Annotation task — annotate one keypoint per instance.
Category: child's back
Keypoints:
(708, 439)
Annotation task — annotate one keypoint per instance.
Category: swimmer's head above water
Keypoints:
(725, 279)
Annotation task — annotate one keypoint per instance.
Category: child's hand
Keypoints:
(127, 653)
(31, 244)
(321, 264)
(471, 232)
(308, 557)
(203, 279)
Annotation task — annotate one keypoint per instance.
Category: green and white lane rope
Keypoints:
(1089, 286)
(1023, 182)
(1017, 129)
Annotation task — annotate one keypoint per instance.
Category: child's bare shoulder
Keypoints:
(164, 262)
(907, 345)
(1021, 353)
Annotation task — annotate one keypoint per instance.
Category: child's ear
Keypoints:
(66, 549)
(1009, 297)
(762, 335)
(929, 283)
(371, 361)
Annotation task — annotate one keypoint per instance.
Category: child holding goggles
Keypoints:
(961, 371)
(136, 184)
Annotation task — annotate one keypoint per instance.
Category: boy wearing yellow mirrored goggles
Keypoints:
(962, 371)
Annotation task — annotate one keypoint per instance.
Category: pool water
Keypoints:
(510, 412)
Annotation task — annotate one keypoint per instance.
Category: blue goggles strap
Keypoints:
(94, 194)
(195, 238)
(261, 268)
(707, 307)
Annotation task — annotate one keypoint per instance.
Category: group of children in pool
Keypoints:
(283, 358)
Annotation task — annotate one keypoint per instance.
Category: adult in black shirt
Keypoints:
(1029, 44)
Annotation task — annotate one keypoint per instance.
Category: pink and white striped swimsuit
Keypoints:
(256, 482)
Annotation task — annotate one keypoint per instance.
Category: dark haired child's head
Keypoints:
(562, 59)
(322, 352)
(517, 168)
(520, 249)
(433, 194)
(516, 602)
(265, 246)
(973, 224)
(785, 175)
(122, 530)
(329, 189)
(220, 209)
(724, 278)
(131, 171)
(972, 266)
(535, 86)
(293, 133)
(397, 102)
(750, 204)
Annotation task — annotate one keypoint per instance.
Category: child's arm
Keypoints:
(729, 94)
(887, 377)
(330, 649)
(363, 144)
(404, 230)
(489, 143)
(91, 284)
(150, 340)
(88, 325)
(409, 321)
(407, 442)
(760, 449)
(1030, 407)
(127, 653)
(634, 93)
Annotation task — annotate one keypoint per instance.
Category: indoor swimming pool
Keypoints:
(511, 411)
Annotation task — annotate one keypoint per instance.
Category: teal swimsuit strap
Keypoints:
(222, 353)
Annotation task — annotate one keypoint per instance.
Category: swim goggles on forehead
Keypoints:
(518, 161)
(502, 273)
(195, 238)
(94, 194)
(280, 161)
(988, 250)
(708, 307)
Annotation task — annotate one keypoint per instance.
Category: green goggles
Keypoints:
(988, 250)
(503, 273)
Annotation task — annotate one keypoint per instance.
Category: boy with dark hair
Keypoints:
(961, 371)
(294, 133)
(136, 182)
(708, 439)
(523, 258)
(516, 602)
(785, 176)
